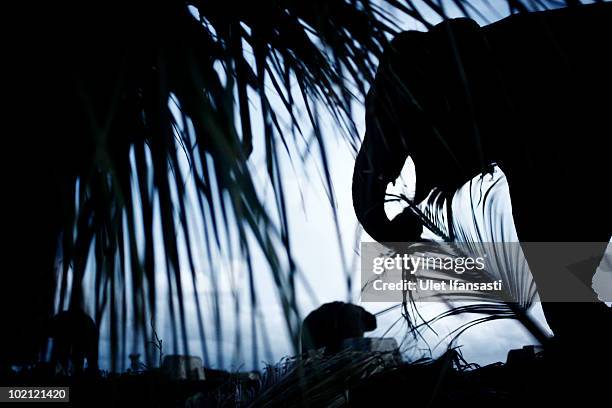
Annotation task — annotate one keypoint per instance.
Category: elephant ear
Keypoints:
(368, 320)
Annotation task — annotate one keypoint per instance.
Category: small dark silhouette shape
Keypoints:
(135, 364)
(334, 322)
(75, 339)
(526, 93)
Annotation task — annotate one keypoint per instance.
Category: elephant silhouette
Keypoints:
(75, 340)
(330, 324)
(528, 93)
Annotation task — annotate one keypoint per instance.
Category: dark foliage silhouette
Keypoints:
(109, 98)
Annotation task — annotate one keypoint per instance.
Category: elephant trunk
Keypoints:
(374, 170)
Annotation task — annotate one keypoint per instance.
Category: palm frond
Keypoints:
(188, 85)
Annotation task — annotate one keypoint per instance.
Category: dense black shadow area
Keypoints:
(75, 342)
(68, 108)
(530, 93)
